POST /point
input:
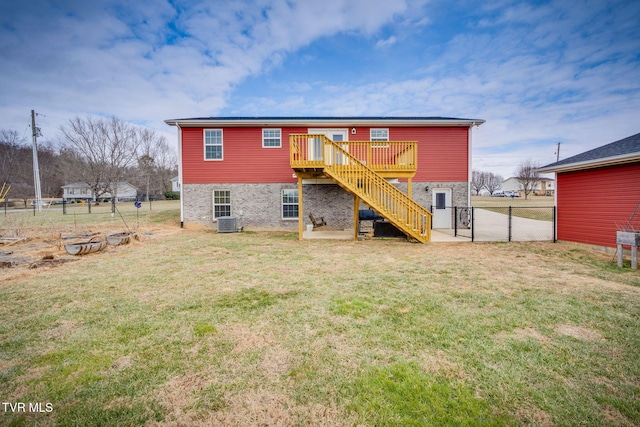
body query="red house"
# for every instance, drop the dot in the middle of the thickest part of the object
(272, 172)
(598, 192)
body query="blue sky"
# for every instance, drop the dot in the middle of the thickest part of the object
(538, 72)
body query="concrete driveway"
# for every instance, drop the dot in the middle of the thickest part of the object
(492, 226)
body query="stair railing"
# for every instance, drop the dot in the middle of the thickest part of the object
(375, 191)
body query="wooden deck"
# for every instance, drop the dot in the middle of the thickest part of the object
(310, 154)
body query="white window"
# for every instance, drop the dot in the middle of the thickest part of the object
(213, 144)
(379, 134)
(221, 203)
(290, 204)
(271, 138)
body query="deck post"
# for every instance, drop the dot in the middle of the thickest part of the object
(409, 187)
(356, 217)
(300, 211)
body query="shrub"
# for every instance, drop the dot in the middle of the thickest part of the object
(171, 195)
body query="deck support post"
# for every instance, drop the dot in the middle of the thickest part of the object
(356, 217)
(300, 211)
(410, 187)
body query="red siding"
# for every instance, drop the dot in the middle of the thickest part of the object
(443, 152)
(443, 155)
(245, 161)
(593, 203)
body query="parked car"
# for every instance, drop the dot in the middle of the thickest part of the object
(498, 193)
(511, 194)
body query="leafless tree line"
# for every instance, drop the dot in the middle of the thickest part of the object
(99, 152)
(527, 175)
(489, 181)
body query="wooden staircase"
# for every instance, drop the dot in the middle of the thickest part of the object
(362, 181)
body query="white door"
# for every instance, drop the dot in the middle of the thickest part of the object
(441, 208)
(315, 145)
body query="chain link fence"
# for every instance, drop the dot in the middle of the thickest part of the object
(501, 223)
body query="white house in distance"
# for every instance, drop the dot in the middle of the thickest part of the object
(175, 184)
(82, 191)
(545, 187)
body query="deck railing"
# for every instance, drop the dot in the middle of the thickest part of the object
(308, 151)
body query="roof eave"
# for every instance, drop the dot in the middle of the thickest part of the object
(595, 163)
(321, 121)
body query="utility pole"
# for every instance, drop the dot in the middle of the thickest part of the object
(36, 168)
(558, 153)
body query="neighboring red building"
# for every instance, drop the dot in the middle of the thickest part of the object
(597, 192)
(258, 169)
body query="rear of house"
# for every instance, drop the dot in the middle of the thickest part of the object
(272, 172)
(598, 192)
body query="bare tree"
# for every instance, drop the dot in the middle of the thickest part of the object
(489, 181)
(152, 159)
(106, 147)
(166, 164)
(493, 182)
(51, 170)
(16, 167)
(478, 179)
(10, 146)
(528, 176)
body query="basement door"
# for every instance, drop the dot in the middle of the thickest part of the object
(441, 208)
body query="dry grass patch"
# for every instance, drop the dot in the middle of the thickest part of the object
(579, 332)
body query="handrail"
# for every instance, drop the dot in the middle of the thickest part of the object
(374, 190)
(306, 151)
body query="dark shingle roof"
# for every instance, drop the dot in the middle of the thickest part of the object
(626, 146)
(314, 118)
(346, 120)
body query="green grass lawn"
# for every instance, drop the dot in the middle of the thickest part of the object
(535, 207)
(197, 328)
(82, 215)
(538, 201)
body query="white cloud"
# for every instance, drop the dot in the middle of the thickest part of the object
(112, 58)
(386, 43)
(559, 71)
(530, 77)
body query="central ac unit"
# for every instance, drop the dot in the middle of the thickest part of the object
(227, 224)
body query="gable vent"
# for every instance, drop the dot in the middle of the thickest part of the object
(227, 224)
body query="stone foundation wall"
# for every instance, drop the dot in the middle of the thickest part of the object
(259, 206)
(459, 192)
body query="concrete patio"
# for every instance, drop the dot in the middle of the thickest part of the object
(436, 236)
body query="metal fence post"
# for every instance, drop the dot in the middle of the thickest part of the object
(455, 221)
(510, 210)
(473, 218)
(554, 224)
(431, 222)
